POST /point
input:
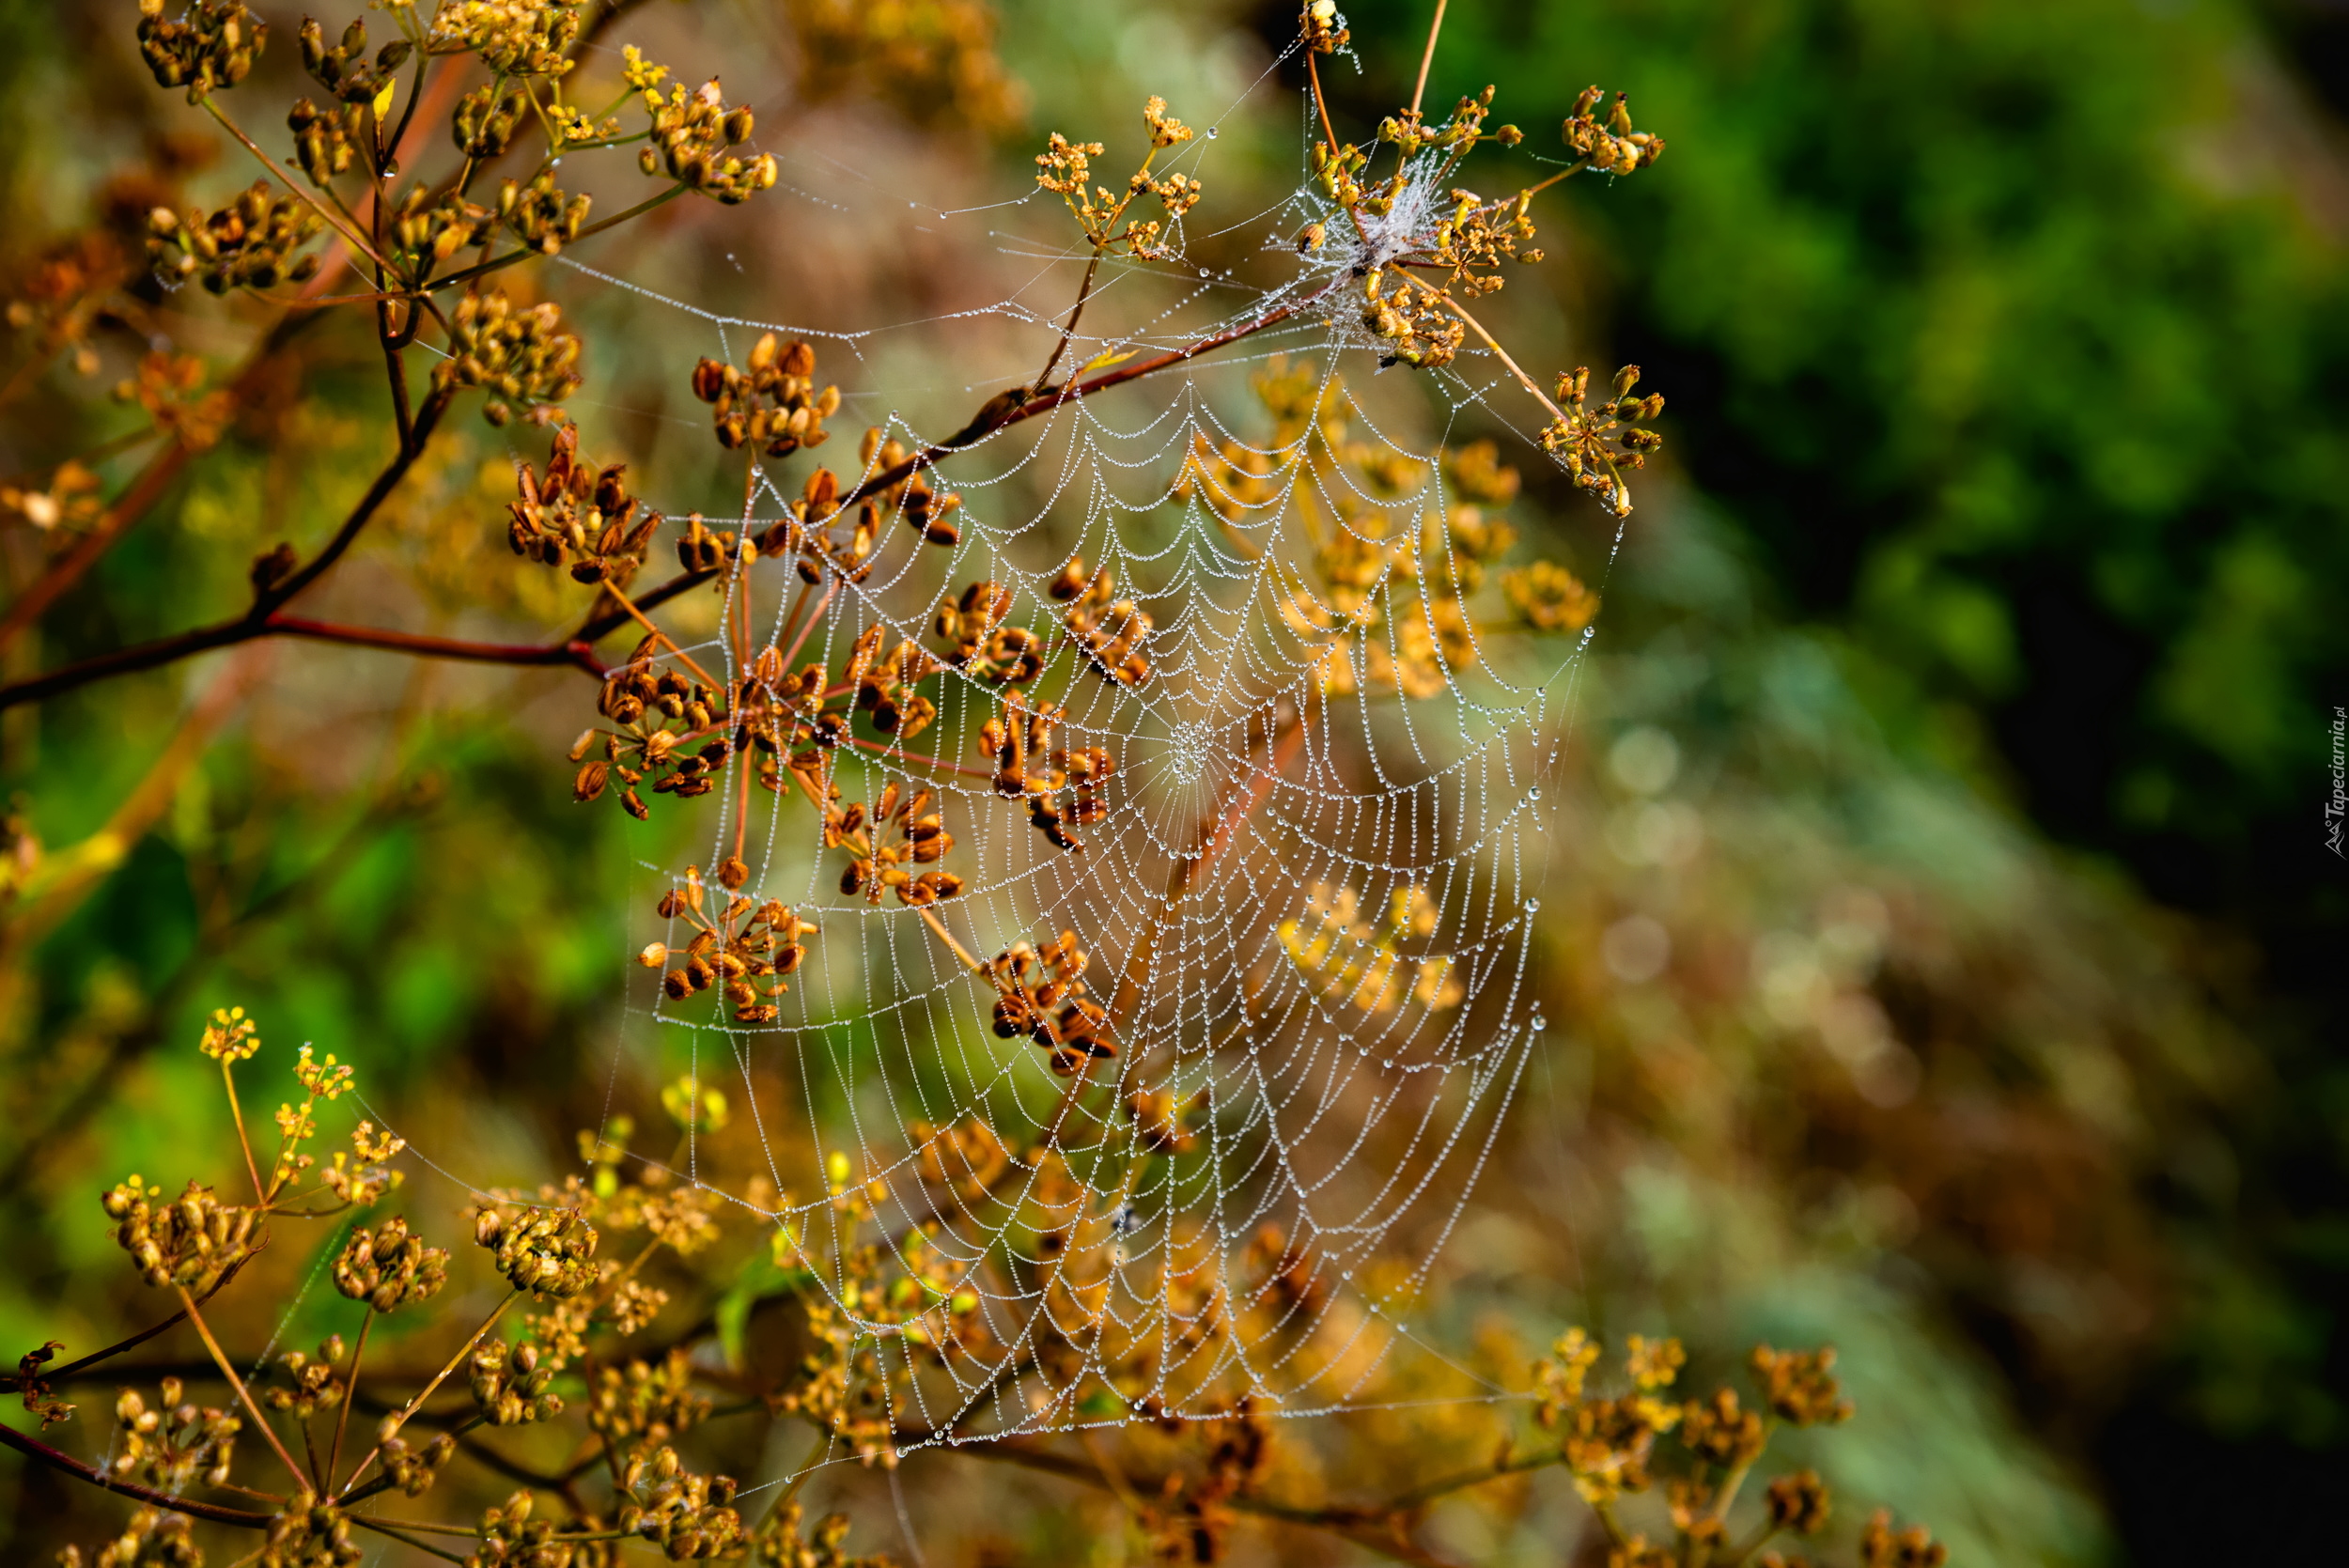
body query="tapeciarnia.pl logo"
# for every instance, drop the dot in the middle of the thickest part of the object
(2339, 805)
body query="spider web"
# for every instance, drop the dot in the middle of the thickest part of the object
(1306, 909)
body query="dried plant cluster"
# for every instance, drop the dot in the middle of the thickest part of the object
(577, 1335)
(595, 1353)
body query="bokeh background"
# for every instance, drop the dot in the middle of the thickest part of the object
(1942, 945)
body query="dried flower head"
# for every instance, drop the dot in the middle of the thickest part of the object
(513, 37)
(774, 405)
(343, 68)
(250, 243)
(520, 356)
(389, 1268)
(1600, 439)
(548, 1252)
(214, 44)
(1801, 1385)
(188, 1241)
(690, 135)
(511, 1387)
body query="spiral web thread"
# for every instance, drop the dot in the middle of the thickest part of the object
(1308, 910)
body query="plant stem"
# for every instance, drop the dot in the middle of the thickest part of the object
(403, 1537)
(402, 1417)
(497, 264)
(1084, 292)
(350, 1388)
(1419, 89)
(221, 1359)
(236, 1112)
(292, 186)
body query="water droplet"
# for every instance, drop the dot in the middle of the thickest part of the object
(1211, 133)
(1539, 1023)
(1534, 793)
(1533, 906)
(1387, 1063)
(1347, 1274)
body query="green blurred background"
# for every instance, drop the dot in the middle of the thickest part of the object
(1960, 717)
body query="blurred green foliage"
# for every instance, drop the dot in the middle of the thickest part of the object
(2017, 333)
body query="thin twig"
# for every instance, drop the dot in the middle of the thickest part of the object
(403, 1537)
(407, 1412)
(236, 1114)
(243, 1394)
(351, 236)
(351, 1385)
(1419, 89)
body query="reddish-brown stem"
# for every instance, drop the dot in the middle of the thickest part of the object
(258, 623)
(800, 640)
(598, 627)
(33, 1448)
(393, 640)
(1076, 314)
(408, 1411)
(938, 763)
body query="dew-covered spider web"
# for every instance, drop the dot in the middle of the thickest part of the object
(1161, 899)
